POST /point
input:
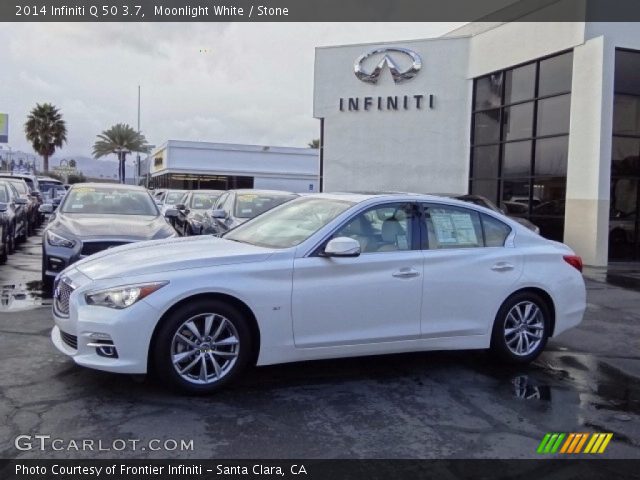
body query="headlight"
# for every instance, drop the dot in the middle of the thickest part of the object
(122, 297)
(59, 241)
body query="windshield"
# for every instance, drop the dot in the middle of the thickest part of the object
(249, 205)
(203, 201)
(289, 224)
(108, 201)
(20, 186)
(173, 197)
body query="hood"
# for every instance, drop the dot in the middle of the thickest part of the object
(134, 227)
(167, 255)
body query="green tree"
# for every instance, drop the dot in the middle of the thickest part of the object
(120, 140)
(315, 143)
(45, 130)
(76, 178)
(72, 163)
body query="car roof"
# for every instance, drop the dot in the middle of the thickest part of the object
(264, 192)
(122, 186)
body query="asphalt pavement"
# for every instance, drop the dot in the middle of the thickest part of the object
(424, 405)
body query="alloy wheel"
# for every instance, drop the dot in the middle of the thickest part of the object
(205, 348)
(524, 328)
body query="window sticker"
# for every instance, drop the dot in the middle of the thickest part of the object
(454, 228)
(247, 210)
(77, 206)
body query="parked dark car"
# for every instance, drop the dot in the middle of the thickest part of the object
(485, 202)
(14, 216)
(32, 201)
(191, 218)
(235, 207)
(94, 217)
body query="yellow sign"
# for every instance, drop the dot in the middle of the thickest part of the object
(4, 128)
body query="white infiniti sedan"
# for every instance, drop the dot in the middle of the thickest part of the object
(323, 276)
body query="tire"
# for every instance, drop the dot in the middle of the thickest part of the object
(4, 256)
(12, 239)
(509, 335)
(47, 280)
(235, 347)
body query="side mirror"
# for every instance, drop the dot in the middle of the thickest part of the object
(219, 213)
(342, 247)
(180, 206)
(3, 207)
(171, 213)
(21, 201)
(45, 208)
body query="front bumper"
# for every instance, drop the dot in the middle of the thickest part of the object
(130, 331)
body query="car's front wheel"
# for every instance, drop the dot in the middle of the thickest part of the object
(202, 346)
(521, 328)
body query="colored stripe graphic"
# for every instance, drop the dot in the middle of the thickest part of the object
(573, 443)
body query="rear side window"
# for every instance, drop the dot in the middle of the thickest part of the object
(452, 227)
(495, 232)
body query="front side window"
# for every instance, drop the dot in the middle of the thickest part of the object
(4, 196)
(381, 229)
(452, 227)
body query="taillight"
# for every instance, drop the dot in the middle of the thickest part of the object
(574, 260)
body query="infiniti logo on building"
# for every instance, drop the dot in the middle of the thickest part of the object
(392, 55)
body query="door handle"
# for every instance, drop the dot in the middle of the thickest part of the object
(406, 273)
(502, 267)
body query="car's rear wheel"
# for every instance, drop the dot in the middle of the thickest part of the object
(202, 346)
(521, 328)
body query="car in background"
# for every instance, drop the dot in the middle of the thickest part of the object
(486, 203)
(14, 216)
(167, 199)
(234, 207)
(45, 185)
(322, 276)
(191, 212)
(95, 217)
(31, 205)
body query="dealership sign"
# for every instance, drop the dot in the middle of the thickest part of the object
(403, 64)
(4, 128)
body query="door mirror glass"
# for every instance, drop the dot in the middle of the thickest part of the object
(46, 208)
(171, 213)
(180, 206)
(21, 201)
(219, 213)
(342, 247)
(3, 207)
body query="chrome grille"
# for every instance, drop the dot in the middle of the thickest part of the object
(69, 339)
(61, 296)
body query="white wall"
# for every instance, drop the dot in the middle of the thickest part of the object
(514, 43)
(419, 150)
(296, 185)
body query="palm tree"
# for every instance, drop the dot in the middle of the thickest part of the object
(120, 139)
(46, 130)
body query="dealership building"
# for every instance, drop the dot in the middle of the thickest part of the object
(222, 166)
(541, 118)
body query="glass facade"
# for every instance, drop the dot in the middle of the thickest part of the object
(185, 181)
(624, 219)
(520, 139)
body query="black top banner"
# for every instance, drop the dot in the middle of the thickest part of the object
(318, 10)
